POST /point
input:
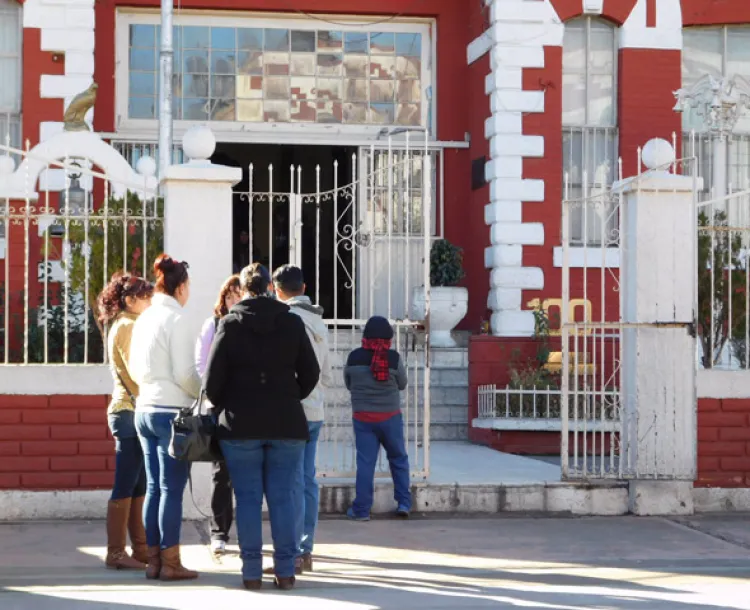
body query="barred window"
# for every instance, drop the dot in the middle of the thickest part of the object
(10, 73)
(589, 121)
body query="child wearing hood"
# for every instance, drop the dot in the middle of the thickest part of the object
(375, 375)
(289, 284)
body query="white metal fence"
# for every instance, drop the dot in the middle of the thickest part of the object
(723, 282)
(62, 243)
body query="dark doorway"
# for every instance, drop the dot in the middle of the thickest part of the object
(271, 240)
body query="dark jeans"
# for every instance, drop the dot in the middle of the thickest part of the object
(130, 475)
(222, 498)
(166, 478)
(368, 438)
(259, 467)
(308, 494)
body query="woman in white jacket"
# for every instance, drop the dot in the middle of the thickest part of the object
(161, 363)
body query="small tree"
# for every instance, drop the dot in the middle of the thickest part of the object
(721, 266)
(446, 263)
(124, 225)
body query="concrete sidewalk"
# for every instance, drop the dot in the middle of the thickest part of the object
(445, 563)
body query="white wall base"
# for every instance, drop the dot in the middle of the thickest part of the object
(721, 500)
(651, 498)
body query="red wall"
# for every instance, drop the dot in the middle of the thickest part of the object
(55, 442)
(723, 442)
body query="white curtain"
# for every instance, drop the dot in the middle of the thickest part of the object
(10, 56)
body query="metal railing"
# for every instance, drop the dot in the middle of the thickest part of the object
(63, 242)
(723, 282)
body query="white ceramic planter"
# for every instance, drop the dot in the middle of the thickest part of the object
(448, 306)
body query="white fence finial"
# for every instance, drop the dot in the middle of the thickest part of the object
(199, 143)
(658, 154)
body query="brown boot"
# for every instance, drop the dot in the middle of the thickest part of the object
(138, 546)
(284, 583)
(171, 566)
(118, 512)
(153, 569)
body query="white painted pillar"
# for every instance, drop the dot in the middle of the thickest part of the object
(658, 375)
(519, 31)
(198, 229)
(198, 220)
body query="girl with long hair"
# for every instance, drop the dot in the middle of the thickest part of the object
(123, 299)
(222, 509)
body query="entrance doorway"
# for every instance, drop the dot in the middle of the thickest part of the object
(297, 204)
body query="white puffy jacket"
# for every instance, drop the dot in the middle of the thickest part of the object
(317, 331)
(161, 357)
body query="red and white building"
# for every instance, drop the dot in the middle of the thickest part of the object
(514, 95)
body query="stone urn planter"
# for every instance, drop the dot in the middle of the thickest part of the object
(448, 306)
(448, 302)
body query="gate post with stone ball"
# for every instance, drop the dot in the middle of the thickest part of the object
(198, 229)
(658, 376)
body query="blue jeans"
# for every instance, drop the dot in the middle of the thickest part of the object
(307, 491)
(258, 467)
(130, 476)
(166, 479)
(368, 437)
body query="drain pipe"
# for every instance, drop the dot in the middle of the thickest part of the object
(166, 69)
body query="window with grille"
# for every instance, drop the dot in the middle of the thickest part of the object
(10, 73)
(589, 124)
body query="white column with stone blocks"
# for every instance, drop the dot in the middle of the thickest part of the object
(658, 253)
(519, 31)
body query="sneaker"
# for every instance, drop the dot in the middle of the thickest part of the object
(218, 547)
(402, 511)
(353, 517)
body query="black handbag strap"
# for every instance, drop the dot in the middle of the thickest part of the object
(192, 497)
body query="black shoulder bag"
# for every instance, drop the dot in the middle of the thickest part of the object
(194, 435)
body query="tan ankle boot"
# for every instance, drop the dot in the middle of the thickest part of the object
(138, 546)
(171, 566)
(118, 512)
(153, 569)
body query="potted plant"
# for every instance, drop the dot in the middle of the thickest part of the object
(448, 302)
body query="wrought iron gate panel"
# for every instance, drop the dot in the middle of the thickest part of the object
(591, 329)
(364, 247)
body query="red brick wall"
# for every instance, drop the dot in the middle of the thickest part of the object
(55, 442)
(723, 442)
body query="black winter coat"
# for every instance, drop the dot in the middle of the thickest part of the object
(260, 368)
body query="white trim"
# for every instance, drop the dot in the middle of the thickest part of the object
(264, 131)
(2, 247)
(478, 47)
(589, 258)
(45, 379)
(714, 383)
(666, 36)
(540, 424)
(721, 500)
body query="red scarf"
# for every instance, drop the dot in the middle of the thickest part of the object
(379, 364)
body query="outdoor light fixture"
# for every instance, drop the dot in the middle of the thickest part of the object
(73, 201)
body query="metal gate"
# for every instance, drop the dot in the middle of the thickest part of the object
(364, 247)
(591, 327)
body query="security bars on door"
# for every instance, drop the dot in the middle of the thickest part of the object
(58, 252)
(363, 243)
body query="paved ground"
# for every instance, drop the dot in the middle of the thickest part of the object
(506, 562)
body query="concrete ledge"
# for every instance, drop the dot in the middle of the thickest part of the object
(719, 500)
(715, 383)
(44, 379)
(655, 498)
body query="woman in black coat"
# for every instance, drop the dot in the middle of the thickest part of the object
(261, 367)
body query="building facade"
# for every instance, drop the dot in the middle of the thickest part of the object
(518, 103)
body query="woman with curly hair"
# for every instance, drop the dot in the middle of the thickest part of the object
(120, 303)
(221, 491)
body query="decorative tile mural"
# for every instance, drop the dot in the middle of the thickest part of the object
(284, 75)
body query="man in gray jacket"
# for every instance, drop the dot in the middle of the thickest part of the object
(289, 284)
